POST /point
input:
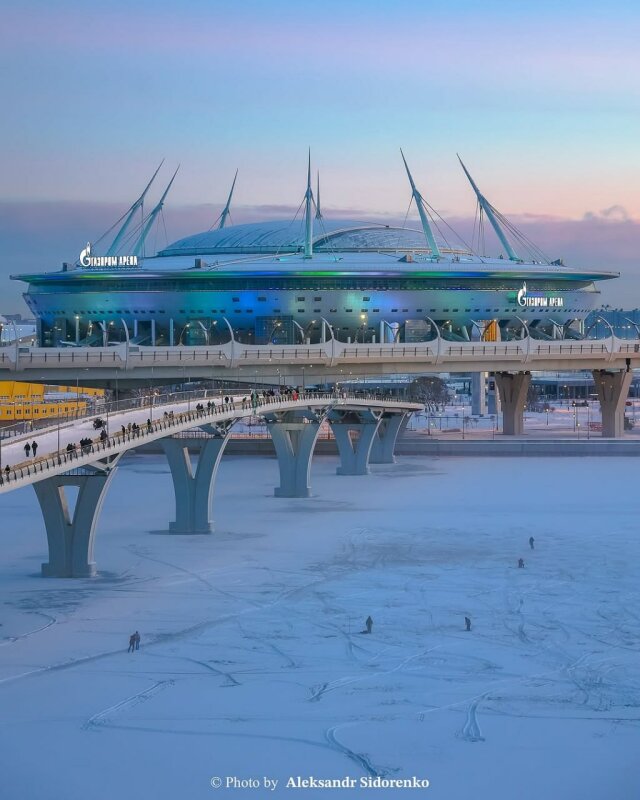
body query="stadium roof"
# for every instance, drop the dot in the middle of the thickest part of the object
(282, 236)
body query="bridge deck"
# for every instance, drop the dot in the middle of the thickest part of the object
(54, 460)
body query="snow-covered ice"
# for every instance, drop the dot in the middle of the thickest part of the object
(253, 663)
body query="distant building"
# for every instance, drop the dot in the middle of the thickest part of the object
(31, 402)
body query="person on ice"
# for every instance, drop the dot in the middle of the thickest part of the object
(132, 643)
(369, 624)
(531, 541)
(136, 637)
(521, 563)
(467, 624)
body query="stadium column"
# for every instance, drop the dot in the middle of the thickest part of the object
(71, 527)
(513, 388)
(294, 435)
(613, 389)
(193, 489)
(391, 424)
(354, 432)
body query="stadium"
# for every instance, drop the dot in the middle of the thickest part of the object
(311, 278)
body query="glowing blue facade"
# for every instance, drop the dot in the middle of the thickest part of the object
(367, 282)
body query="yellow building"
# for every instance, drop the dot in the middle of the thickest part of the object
(34, 401)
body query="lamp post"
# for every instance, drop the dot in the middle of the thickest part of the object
(182, 332)
(363, 323)
(273, 330)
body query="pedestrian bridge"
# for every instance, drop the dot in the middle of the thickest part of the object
(325, 362)
(365, 428)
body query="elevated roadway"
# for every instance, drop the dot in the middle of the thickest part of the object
(327, 362)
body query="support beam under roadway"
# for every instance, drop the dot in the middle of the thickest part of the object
(391, 425)
(513, 388)
(71, 534)
(294, 437)
(613, 390)
(354, 432)
(194, 489)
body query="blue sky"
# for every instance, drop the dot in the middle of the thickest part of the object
(542, 100)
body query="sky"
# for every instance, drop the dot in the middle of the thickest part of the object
(540, 99)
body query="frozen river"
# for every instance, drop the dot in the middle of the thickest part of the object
(253, 663)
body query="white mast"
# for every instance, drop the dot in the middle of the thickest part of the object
(424, 219)
(489, 210)
(225, 210)
(137, 250)
(308, 199)
(113, 249)
(318, 211)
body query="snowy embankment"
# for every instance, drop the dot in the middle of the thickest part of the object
(253, 663)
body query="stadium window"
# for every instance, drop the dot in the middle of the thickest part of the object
(376, 310)
(300, 299)
(235, 299)
(366, 299)
(333, 310)
(317, 311)
(317, 299)
(348, 310)
(275, 311)
(262, 299)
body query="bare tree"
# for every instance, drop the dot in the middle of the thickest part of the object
(432, 391)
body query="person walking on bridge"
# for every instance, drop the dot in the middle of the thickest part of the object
(27, 450)
(34, 447)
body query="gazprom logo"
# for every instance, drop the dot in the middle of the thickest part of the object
(87, 260)
(522, 294)
(85, 256)
(537, 300)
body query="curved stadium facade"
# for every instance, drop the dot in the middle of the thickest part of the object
(288, 282)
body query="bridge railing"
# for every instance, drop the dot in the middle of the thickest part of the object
(86, 455)
(127, 357)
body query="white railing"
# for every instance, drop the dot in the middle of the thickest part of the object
(438, 351)
(59, 462)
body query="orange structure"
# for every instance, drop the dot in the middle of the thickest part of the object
(20, 402)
